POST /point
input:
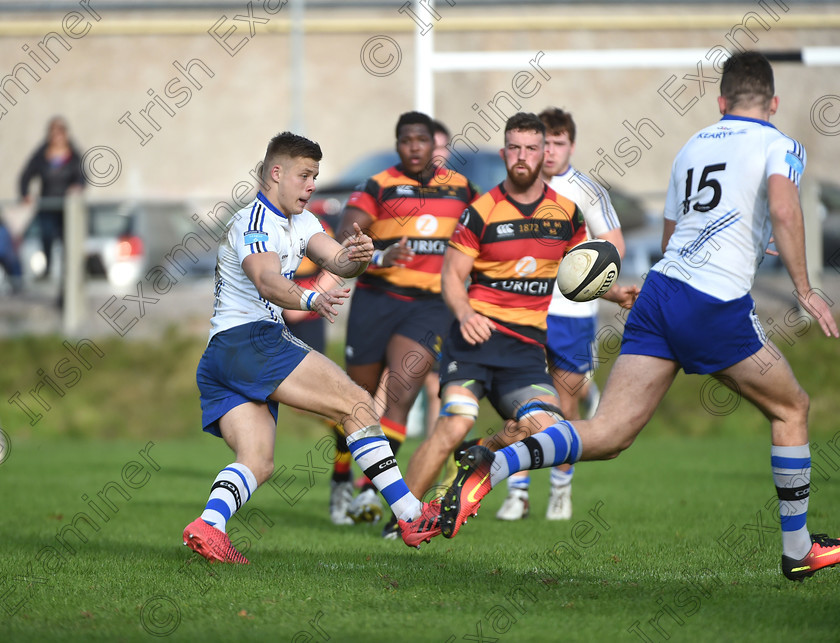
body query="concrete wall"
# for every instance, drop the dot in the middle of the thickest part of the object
(223, 117)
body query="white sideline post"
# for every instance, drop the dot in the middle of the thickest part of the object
(297, 59)
(75, 230)
(810, 198)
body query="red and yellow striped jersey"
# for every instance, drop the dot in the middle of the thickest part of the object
(517, 249)
(426, 213)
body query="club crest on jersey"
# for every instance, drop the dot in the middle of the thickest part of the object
(255, 236)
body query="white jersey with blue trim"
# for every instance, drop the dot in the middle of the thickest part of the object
(258, 227)
(718, 198)
(600, 217)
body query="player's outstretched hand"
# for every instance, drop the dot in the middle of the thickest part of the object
(359, 246)
(476, 328)
(817, 307)
(324, 304)
(624, 296)
(397, 254)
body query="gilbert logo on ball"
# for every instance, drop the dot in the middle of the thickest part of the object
(588, 270)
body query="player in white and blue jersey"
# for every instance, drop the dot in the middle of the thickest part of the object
(572, 326)
(253, 363)
(731, 184)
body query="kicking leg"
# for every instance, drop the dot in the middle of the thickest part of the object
(342, 401)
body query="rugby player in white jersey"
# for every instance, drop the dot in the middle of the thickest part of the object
(253, 363)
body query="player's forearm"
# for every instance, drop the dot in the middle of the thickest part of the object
(789, 234)
(788, 228)
(342, 266)
(347, 259)
(455, 296)
(281, 291)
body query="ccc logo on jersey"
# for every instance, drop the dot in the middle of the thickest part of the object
(525, 266)
(426, 224)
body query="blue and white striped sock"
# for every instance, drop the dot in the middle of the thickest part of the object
(558, 444)
(372, 451)
(792, 476)
(231, 489)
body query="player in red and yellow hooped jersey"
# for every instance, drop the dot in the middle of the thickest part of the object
(416, 214)
(509, 242)
(515, 251)
(397, 315)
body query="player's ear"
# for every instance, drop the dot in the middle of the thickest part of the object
(277, 172)
(722, 104)
(774, 105)
(502, 154)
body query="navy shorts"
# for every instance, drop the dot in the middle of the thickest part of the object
(375, 316)
(571, 343)
(704, 334)
(501, 365)
(245, 364)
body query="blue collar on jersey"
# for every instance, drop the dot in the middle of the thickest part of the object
(729, 117)
(262, 199)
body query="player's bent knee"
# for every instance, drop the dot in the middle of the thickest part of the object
(535, 408)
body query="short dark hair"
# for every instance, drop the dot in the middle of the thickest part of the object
(747, 80)
(292, 146)
(525, 121)
(557, 122)
(415, 118)
(438, 127)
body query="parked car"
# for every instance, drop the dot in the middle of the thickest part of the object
(125, 239)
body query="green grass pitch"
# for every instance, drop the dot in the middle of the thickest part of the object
(677, 539)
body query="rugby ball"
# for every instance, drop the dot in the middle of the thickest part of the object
(588, 270)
